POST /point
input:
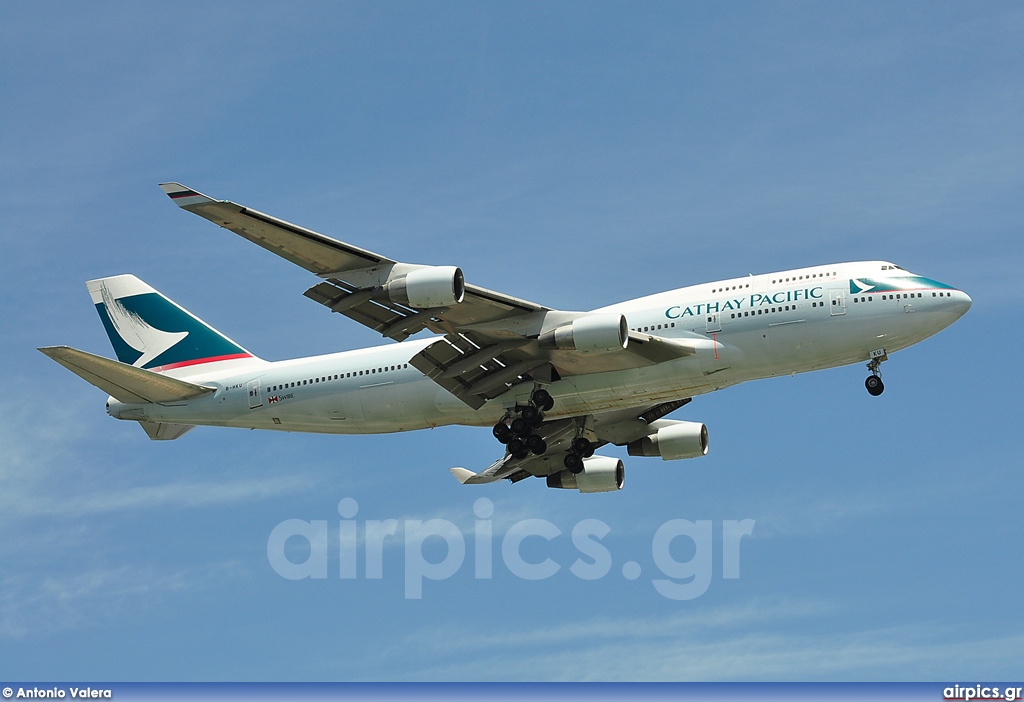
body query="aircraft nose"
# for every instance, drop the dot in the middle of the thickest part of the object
(963, 302)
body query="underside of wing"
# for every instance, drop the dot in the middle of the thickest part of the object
(558, 437)
(370, 306)
(476, 367)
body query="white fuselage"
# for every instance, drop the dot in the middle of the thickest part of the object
(744, 329)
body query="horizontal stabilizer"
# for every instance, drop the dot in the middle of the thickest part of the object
(162, 431)
(461, 474)
(500, 469)
(123, 382)
(469, 477)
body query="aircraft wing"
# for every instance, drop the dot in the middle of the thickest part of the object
(617, 427)
(346, 269)
(489, 339)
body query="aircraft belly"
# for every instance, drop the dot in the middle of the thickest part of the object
(602, 391)
(792, 347)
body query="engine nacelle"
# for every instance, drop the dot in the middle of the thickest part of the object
(430, 286)
(672, 440)
(593, 332)
(599, 474)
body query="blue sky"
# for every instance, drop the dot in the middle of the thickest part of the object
(572, 154)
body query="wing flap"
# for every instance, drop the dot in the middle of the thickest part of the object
(391, 319)
(476, 368)
(123, 382)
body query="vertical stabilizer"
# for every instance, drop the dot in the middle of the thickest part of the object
(148, 330)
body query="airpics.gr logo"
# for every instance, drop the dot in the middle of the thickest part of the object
(299, 549)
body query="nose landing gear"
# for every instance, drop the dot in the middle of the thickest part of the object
(874, 385)
(874, 382)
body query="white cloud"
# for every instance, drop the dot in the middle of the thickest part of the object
(31, 603)
(41, 473)
(749, 642)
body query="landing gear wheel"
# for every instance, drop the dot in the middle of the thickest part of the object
(521, 427)
(501, 432)
(573, 462)
(517, 447)
(532, 415)
(582, 446)
(874, 381)
(542, 398)
(536, 444)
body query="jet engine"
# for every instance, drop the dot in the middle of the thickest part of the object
(599, 474)
(430, 286)
(672, 440)
(592, 332)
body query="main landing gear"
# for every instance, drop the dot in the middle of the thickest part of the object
(517, 434)
(582, 448)
(874, 382)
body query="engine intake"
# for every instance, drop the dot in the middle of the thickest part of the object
(598, 333)
(599, 474)
(672, 440)
(430, 286)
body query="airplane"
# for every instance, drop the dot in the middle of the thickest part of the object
(554, 385)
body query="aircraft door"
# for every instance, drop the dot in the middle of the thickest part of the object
(837, 302)
(255, 394)
(714, 322)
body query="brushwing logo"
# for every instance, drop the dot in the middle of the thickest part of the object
(136, 332)
(860, 287)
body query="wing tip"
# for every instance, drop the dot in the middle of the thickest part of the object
(183, 195)
(52, 351)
